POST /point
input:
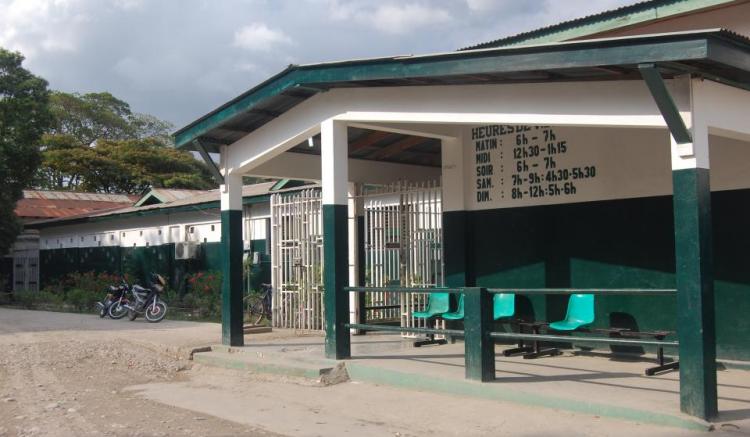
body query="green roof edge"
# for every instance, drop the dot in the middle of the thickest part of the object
(625, 16)
(322, 76)
(148, 195)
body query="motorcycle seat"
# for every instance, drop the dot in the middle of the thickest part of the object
(139, 289)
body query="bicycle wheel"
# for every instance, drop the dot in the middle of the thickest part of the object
(256, 312)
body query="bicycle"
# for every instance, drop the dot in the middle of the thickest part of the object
(259, 304)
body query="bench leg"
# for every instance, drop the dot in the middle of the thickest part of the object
(521, 349)
(538, 351)
(430, 340)
(651, 371)
(518, 350)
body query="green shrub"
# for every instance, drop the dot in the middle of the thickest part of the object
(92, 282)
(82, 300)
(30, 299)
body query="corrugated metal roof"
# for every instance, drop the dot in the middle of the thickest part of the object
(52, 204)
(74, 195)
(674, 53)
(202, 198)
(651, 10)
(166, 195)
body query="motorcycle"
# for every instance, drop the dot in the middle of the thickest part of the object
(118, 309)
(146, 301)
(115, 293)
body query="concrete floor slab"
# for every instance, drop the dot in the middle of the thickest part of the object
(595, 383)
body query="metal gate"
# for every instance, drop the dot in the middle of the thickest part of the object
(297, 260)
(403, 247)
(402, 242)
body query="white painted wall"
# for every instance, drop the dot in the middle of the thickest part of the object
(198, 226)
(610, 103)
(628, 163)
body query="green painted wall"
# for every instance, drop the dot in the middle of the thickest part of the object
(136, 261)
(622, 243)
(141, 261)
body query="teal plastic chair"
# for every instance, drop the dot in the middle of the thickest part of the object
(503, 305)
(580, 313)
(437, 305)
(459, 313)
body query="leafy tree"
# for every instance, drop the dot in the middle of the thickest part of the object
(93, 116)
(24, 117)
(98, 144)
(129, 166)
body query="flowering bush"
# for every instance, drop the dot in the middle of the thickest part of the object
(205, 293)
(205, 282)
(92, 282)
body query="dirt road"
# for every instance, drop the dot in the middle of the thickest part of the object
(72, 383)
(77, 375)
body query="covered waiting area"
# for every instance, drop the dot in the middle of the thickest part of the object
(555, 161)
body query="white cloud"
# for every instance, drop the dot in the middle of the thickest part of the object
(482, 5)
(259, 37)
(36, 26)
(398, 19)
(393, 18)
(128, 4)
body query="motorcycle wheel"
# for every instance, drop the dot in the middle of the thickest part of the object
(117, 311)
(132, 315)
(156, 314)
(101, 309)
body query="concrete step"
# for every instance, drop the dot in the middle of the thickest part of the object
(263, 363)
(331, 372)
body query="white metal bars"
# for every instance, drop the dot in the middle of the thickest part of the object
(297, 260)
(402, 242)
(403, 247)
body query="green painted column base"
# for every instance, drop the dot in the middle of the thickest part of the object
(335, 278)
(479, 347)
(456, 254)
(695, 292)
(231, 282)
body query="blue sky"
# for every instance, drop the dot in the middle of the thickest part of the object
(178, 59)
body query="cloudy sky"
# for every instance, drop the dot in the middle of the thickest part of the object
(178, 59)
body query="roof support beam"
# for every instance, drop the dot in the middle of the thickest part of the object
(665, 103)
(397, 147)
(218, 177)
(368, 140)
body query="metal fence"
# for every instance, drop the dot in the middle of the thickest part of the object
(403, 247)
(297, 260)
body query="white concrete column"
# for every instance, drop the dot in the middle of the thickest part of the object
(453, 180)
(352, 215)
(696, 325)
(456, 220)
(334, 162)
(231, 260)
(231, 193)
(335, 178)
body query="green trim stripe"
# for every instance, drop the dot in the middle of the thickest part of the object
(335, 279)
(696, 327)
(231, 283)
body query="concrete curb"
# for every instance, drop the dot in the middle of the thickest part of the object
(313, 369)
(364, 373)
